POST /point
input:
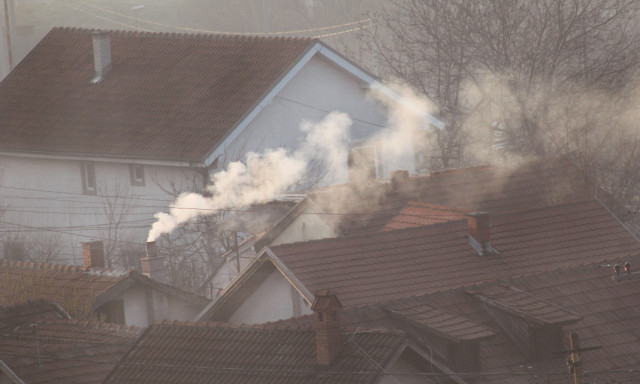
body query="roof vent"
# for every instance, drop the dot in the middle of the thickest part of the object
(101, 55)
(479, 226)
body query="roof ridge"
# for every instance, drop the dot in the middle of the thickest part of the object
(177, 35)
(45, 266)
(94, 324)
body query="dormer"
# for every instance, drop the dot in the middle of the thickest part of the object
(534, 325)
(454, 340)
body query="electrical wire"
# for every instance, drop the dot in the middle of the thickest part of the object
(292, 32)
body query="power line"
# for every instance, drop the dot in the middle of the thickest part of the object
(292, 32)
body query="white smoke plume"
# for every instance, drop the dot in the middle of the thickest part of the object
(262, 177)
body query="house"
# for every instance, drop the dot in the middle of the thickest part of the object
(63, 351)
(323, 352)
(403, 201)
(521, 329)
(101, 129)
(93, 292)
(384, 266)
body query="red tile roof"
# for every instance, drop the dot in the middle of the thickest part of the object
(74, 288)
(366, 208)
(168, 96)
(175, 352)
(417, 214)
(366, 269)
(79, 290)
(66, 351)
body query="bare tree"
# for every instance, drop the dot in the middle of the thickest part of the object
(516, 59)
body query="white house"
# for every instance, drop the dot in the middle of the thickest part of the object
(99, 130)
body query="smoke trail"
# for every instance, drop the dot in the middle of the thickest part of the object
(262, 177)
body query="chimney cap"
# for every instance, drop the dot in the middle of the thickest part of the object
(325, 300)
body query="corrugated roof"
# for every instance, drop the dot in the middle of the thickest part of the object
(167, 96)
(366, 269)
(177, 352)
(66, 351)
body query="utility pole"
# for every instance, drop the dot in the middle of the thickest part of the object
(8, 30)
(573, 361)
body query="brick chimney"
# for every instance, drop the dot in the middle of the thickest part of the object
(326, 308)
(399, 176)
(93, 254)
(153, 265)
(101, 54)
(479, 226)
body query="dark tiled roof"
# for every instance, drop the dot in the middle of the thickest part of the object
(608, 311)
(172, 96)
(433, 320)
(29, 312)
(74, 288)
(530, 185)
(417, 214)
(66, 351)
(524, 305)
(610, 318)
(173, 352)
(366, 269)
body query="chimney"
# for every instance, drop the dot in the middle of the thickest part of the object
(153, 265)
(93, 254)
(399, 176)
(326, 307)
(479, 226)
(101, 54)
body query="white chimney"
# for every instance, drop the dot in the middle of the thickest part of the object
(101, 54)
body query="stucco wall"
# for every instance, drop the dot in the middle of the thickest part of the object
(45, 204)
(135, 307)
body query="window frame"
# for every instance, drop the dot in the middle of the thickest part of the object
(136, 181)
(88, 173)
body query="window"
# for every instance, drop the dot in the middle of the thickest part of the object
(15, 250)
(136, 171)
(88, 178)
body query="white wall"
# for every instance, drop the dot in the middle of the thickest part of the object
(135, 307)
(273, 300)
(45, 204)
(318, 89)
(304, 227)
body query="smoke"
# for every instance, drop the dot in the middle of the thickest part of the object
(407, 113)
(262, 177)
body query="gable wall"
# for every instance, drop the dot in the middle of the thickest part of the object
(304, 227)
(273, 300)
(318, 89)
